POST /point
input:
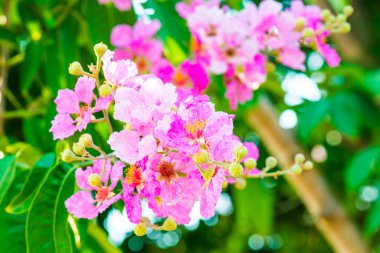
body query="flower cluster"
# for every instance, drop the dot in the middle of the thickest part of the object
(171, 148)
(239, 44)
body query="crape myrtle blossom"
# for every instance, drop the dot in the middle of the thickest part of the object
(238, 44)
(172, 149)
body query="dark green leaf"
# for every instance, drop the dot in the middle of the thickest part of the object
(7, 38)
(7, 174)
(48, 214)
(360, 167)
(311, 115)
(23, 199)
(372, 222)
(346, 113)
(30, 67)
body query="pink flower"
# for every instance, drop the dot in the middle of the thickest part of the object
(211, 193)
(137, 43)
(122, 5)
(82, 204)
(130, 148)
(185, 9)
(192, 75)
(118, 72)
(71, 103)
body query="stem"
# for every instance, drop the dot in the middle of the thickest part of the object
(105, 112)
(22, 113)
(328, 214)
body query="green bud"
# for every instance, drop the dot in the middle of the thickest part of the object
(348, 10)
(201, 157)
(78, 148)
(271, 162)
(100, 49)
(250, 163)
(326, 14)
(345, 28)
(140, 230)
(94, 180)
(169, 225)
(341, 18)
(105, 90)
(76, 69)
(308, 165)
(240, 152)
(300, 23)
(86, 140)
(235, 169)
(241, 183)
(68, 156)
(308, 32)
(300, 158)
(296, 170)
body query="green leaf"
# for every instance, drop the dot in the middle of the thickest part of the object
(372, 82)
(23, 199)
(8, 38)
(254, 208)
(7, 174)
(372, 221)
(310, 116)
(12, 227)
(360, 167)
(29, 67)
(346, 114)
(48, 214)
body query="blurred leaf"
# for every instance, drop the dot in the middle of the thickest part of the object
(26, 154)
(346, 113)
(29, 67)
(7, 174)
(23, 199)
(175, 53)
(360, 167)
(8, 38)
(12, 227)
(254, 208)
(310, 116)
(102, 244)
(48, 214)
(372, 221)
(372, 82)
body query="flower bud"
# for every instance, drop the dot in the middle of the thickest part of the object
(348, 10)
(235, 169)
(308, 165)
(140, 229)
(341, 18)
(94, 180)
(271, 162)
(105, 90)
(100, 49)
(345, 28)
(240, 183)
(300, 23)
(300, 158)
(296, 170)
(201, 157)
(326, 14)
(78, 148)
(86, 140)
(169, 225)
(128, 126)
(240, 152)
(270, 67)
(308, 32)
(68, 156)
(250, 163)
(76, 69)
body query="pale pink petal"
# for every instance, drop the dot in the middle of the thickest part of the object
(62, 126)
(211, 193)
(81, 205)
(121, 35)
(81, 177)
(84, 89)
(67, 102)
(125, 145)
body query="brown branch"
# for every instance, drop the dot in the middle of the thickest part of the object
(327, 213)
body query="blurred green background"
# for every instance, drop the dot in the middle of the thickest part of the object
(333, 112)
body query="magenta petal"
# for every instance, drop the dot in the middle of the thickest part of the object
(210, 195)
(81, 177)
(133, 208)
(84, 89)
(81, 205)
(67, 102)
(62, 126)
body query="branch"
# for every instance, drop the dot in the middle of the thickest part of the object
(327, 213)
